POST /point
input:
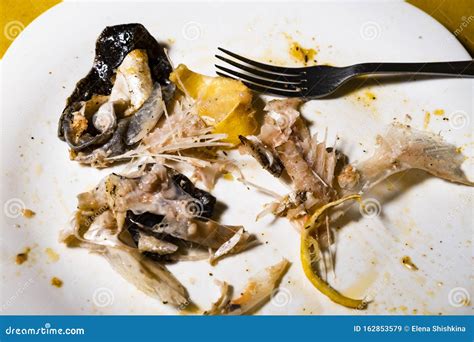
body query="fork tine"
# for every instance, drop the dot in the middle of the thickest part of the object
(260, 81)
(261, 89)
(263, 66)
(264, 74)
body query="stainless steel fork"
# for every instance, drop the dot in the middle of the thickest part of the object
(321, 80)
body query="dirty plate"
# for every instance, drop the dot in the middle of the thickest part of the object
(411, 215)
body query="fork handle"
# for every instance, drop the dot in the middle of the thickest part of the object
(459, 68)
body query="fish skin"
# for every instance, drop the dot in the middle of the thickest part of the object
(112, 46)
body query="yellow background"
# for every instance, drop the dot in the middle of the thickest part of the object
(456, 15)
(16, 15)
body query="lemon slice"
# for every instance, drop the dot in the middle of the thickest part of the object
(307, 246)
(222, 103)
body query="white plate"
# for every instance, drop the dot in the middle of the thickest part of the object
(425, 218)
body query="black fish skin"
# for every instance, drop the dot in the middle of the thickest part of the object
(205, 200)
(147, 220)
(136, 223)
(87, 140)
(146, 114)
(112, 46)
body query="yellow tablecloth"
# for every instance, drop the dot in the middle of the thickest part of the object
(15, 15)
(456, 15)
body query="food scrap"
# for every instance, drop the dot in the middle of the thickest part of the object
(426, 120)
(52, 255)
(28, 213)
(144, 220)
(223, 103)
(23, 256)
(56, 282)
(408, 263)
(370, 95)
(120, 100)
(322, 177)
(257, 291)
(302, 55)
(171, 129)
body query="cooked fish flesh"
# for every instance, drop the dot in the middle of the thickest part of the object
(146, 118)
(285, 138)
(143, 219)
(265, 156)
(258, 290)
(403, 148)
(321, 179)
(148, 276)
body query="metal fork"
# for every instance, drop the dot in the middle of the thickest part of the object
(321, 80)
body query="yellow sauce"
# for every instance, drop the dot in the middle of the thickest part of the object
(406, 261)
(55, 281)
(22, 257)
(28, 213)
(52, 255)
(191, 309)
(370, 96)
(301, 54)
(427, 119)
(360, 288)
(228, 176)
